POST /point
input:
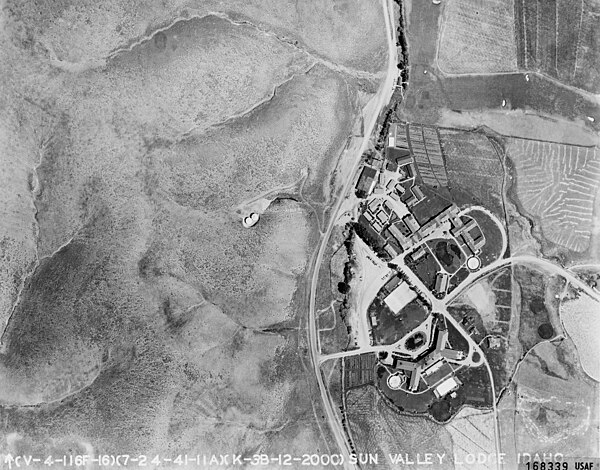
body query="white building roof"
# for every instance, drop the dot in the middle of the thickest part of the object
(401, 296)
(446, 387)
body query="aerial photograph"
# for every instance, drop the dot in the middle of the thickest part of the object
(268, 234)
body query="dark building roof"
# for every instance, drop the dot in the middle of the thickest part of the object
(366, 178)
(398, 155)
(392, 284)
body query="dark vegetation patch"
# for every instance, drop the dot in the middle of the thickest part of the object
(457, 278)
(404, 401)
(456, 339)
(415, 341)
(558, 37)
(474, 167)
(425, 268)
(448, 254)
(469, 319)
(390, 328)
(160, 41)
(435, 201)
(492, 250)
(534, 308)
(374, 240)
(338, 338)
(546, 331)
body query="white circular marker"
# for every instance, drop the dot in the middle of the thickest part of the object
(473, 263)
(394, 382)
(254, 217)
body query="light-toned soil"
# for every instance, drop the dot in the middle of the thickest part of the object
(581, 319)
(153, 321)
(517, 123)
(556, 184)
(376, 428)
(342, 31)
(556, 404)
(472, 433)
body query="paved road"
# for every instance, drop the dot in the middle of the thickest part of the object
(356, 149)
(440, 306)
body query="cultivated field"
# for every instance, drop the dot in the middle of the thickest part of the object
(587, 56)
(474, 166)
(472, 433)
(556, 405)
(376, 428)
(556, 184)
(425, 144)
(477, 37)
(558, 37)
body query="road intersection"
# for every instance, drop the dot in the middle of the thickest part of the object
(372, 285)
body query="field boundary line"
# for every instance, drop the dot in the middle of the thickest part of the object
(578, 40)
(556, 37)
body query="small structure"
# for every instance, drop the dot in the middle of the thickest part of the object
(395, 381)
(250, 220)
(415, 377)
(447, 386)
(434, 366)
(453, 355)
(441, 282)
(473, 263)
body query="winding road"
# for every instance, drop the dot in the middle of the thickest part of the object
(356, 149)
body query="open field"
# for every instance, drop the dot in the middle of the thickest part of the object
(154, 322)
(490, 311)
(477, 37)
(539, 306)
(378, 429)
(425, 268)
(343, 31)
(429, 96)
(492, 250)
(447, 253)
(559, 38)
(556, 185)
(390, 328)
(551, 405)
(474, 166)
(431, 93)
(472, 433)
(523, 124)
(556, 404)
(581, 319)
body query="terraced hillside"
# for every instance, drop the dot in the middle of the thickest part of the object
(557, 185)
